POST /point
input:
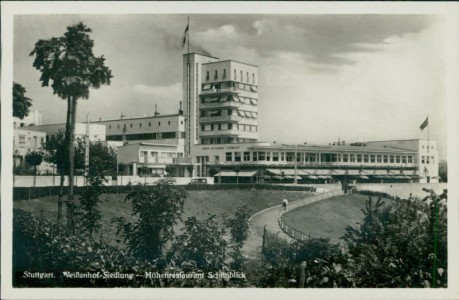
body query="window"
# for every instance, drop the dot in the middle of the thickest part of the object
(427, 160)
(230, 112)
(268, 156)
(403, 159)
(359, 157)
(352, 157)
(378, 158)
(397, 159)
(118, 126)
(22, 139)
(422, 159)
(110, 127)
(391, 159)
(168, 122)
(290, 156)
(386, 160)
(253, 78)
(255, 156)
(140, 124)
(219, 126)
(149, 124)
(203, 128)
(433, 161)
(159, 123)
(207, 76)
(247, 75)
(216, 74)
(372, 158)
(211, 126)
(242, 78)
(246, 156)
(230, 126)
(282, 156)
(365, 158)
(275, 156)
(131, 125)
(410, 159)
(229, 156)
(224, 73)
(181, 122)
(261, 155)
(235, 74)
(237, 156)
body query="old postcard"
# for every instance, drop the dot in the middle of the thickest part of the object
(241, 149)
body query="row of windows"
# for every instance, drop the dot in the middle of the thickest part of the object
(229, 112)
(229, 98)
(229, 126)
(229, 85)
(235, 75)
(225, 140)
(37, 141)
(431, 147)
(155, 154)
(140, 125)
(318, 157)
(428, 159)
(147, 136)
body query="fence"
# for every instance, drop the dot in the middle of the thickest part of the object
(297, 234)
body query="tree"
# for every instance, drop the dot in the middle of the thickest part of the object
(156, 209)
(239, 232)
(34, 159)
(202, 242)
(69, 65)
(400, 244)
(443, 170)
(21, 103)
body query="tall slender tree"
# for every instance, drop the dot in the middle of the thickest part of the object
(68, 64)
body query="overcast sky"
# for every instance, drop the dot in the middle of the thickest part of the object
(321, 77)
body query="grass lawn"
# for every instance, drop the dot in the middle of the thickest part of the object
(198, 204)
(328, 218)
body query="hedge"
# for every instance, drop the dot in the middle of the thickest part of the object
(26, 193)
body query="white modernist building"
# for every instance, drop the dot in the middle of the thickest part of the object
(221, 113)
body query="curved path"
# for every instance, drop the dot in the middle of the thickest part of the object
(269, 218)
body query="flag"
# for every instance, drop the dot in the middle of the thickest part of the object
(185, 35)
(424, 124)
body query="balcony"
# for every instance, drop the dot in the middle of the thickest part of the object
(221, 104)
(220, 119)
(218, 91)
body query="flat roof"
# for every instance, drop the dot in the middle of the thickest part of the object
(334, 148)
(230, 60)
(138, 118)
(150, 144)
(200, 54)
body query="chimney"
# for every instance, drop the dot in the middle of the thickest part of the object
(180, 109)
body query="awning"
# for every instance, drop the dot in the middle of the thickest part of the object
(207, 86)
(253, 88)
(211, 99)
(322, 177)
(254, 115)
(312, 177)
(274, 171)
(277, 177)
(239, 112)
(363, 177)
(253, 101)
(234, 174)
(223, 98)
(235, 98)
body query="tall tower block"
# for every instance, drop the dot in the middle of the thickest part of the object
(192, 64)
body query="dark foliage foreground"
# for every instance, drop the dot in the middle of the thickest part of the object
(400, 243)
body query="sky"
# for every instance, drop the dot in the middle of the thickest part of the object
(322, 78)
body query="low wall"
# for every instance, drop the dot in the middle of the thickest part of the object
(402, 190)
(41, 181)
(124, 180)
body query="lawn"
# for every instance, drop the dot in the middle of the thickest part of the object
(198, 204)
(328, 218)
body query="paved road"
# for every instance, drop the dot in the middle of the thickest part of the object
(266, 217)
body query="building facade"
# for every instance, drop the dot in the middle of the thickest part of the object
(159, 129)
(95, 132)
(25, 141)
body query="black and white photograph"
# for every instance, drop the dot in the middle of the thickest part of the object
(242, 149)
